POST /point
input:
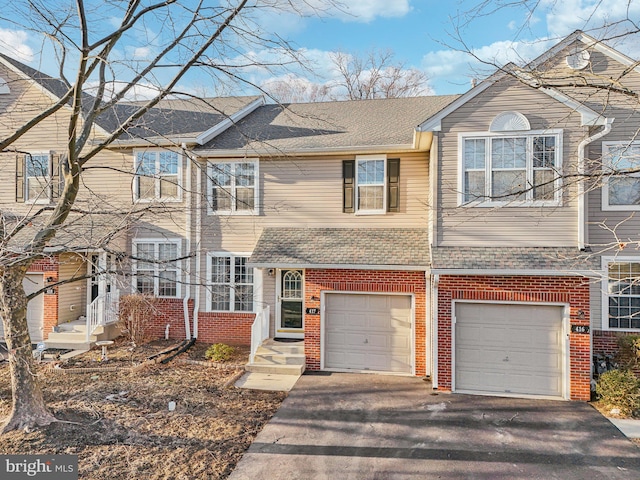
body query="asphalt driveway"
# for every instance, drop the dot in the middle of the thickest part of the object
(352, 426)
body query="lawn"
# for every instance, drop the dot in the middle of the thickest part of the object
(119, 424)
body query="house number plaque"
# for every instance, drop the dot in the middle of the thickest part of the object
(579, 329)
(313, 311)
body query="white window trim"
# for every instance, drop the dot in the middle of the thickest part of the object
(605, 180)
(256, 194)
(136, 186)
(209, 299)
(47, 193)
(604, 287)
(488, 202)
(156, 277)
(385, 186)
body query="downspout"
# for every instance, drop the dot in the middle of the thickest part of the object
(582, 214)
(434, 330)
(187, 283)
(198, 229)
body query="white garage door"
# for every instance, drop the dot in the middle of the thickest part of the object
(35, 309)
(512, 349)
(368, 332)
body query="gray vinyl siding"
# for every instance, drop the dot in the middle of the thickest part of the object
(72, 297)
(506, 226)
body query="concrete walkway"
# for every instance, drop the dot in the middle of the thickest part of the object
(629, 427)
(353, 427)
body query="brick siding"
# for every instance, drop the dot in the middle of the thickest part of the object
(49, 267)
(318, 281)
(224, 327)
(573, 291)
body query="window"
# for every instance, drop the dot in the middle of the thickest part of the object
(158, 175)
(518, 169)
(233, 187)
(621, 191)
(621, 295)
(38, 177)
(371, 184)
(156, 267)
(230, 283)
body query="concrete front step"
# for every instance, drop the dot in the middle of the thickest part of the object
(279, 359)
(275, 369)
(72, 336)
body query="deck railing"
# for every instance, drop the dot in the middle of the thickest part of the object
(259, 331)
(103, 311)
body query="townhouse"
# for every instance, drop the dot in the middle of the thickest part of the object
(480, 239)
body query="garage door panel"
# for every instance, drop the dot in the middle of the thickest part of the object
(35, 308)
(368, 332)
(509, 348)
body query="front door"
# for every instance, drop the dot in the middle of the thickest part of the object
(291, 304)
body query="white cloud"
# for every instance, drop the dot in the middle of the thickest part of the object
(480, 61)
(14, 44)
(568, 15)
(350, 10)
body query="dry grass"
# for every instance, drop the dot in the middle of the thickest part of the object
(120, 427)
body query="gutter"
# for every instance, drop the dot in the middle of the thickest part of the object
(434, 330)
(275, 152)
(187, 201)
(198, 228)
(582, 214)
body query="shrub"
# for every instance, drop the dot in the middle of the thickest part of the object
(135, 312)
(629, 350)
(220, 352)
(619, 389)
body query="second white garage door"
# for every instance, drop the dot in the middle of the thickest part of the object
(368, 332)
(509, 348)
(35, 309)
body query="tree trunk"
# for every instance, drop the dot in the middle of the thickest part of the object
(28, 408)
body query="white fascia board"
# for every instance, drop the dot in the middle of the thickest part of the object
(434, 124)
(589, 117)
(216, 130)
(153, 142)
(48, 93)
(606, 50)
(322, 266)
(274, 152)
(516, 272)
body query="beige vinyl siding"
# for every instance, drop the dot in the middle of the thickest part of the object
(307, 192)
(595, 303)
(72, 297)
(506, 225)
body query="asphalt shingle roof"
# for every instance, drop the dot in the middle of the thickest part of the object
(513, 258)
(384, 247)
(326, 125)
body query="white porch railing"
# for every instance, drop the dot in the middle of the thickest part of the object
(103, 311)
(259, 331)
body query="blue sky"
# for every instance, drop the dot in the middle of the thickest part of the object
(422, 33)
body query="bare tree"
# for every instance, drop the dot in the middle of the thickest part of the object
(112, 49)
(376, 75)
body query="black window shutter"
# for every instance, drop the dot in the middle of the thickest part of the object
(55, 176)
(349, 193)
(393, 185)
(20, 161)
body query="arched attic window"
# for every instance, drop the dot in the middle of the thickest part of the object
(4, 86)
(509, 122)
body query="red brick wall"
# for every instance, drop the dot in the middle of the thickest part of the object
(378, 281)
(529, 289)
(49, 268)
(229, 328)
